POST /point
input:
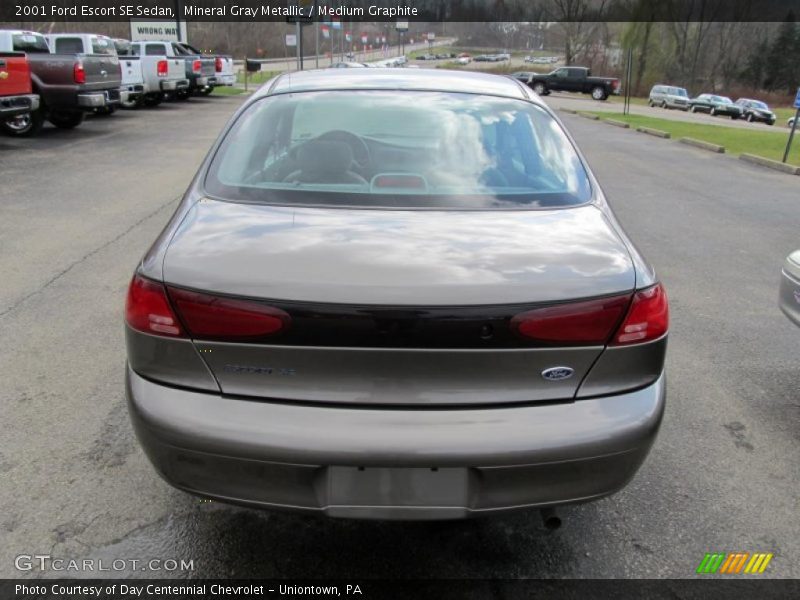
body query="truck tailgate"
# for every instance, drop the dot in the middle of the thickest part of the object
(102, 72)
(176, 69)
(131, 67)
(15, 77)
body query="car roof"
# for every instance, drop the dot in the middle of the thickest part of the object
(440, 80)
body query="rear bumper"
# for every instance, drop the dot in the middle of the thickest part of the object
(177, 84)
(131, 92)
(12, 106)
(99, 99)
(228, 80)
(291, 456)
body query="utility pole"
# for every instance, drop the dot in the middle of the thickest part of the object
(300, 43)
(178, 19)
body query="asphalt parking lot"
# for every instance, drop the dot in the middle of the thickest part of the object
(80, 207)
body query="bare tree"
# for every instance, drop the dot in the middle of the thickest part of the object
(576, 19)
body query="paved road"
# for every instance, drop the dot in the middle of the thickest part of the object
(79, 208)
(309, 62)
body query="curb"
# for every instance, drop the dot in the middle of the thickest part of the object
(770, 164)
(655, 132)
(616, 123)
(586, 115)
(703, 145)
(569, 110)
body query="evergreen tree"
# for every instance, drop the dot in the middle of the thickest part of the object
(781, 65)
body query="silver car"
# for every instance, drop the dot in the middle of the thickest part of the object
(790, 287)
(400, 295)
(669, 96)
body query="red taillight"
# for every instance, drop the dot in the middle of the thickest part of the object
(647, 318)
(586, 322)
(197, 66)
(148, 309)
(79, 73)
(216, 317)
(162, 68)
(614, 84)
(218, 65)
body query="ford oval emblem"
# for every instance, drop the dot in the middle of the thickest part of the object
(558, 373)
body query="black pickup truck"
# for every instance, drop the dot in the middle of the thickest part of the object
(68, 85)
(574, 79)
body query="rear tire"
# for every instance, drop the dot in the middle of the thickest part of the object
(749, 117)
(599, 93)
(105, 111)
(26, 125)
(650, 103)
(205, 91)
(66, 119)
(183, 95)
(664, 104)
(692, 109)
(540, 88)
(713, 112)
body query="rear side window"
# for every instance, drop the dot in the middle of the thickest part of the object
(29, 42)
(154, 50)
(398, 149)
(69, 46)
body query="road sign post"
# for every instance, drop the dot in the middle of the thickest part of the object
(794, 126)
(402, 28)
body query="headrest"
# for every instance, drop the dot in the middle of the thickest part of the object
(325, 157)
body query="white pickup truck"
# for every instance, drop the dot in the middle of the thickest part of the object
(199, 70)
(162, 74)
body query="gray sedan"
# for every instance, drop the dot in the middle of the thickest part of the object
(790, 287)
(399, 295)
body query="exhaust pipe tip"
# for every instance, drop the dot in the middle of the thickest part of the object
(550, 519)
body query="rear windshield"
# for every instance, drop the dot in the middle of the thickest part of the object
(29, 42)
(68, 46)
(103, 45)
(398, 149)
(123, 48)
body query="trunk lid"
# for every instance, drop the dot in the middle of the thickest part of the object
(398, 307)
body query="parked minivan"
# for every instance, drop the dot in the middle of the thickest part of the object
(669, 96)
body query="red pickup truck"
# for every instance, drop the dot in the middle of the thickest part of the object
(17, 101)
